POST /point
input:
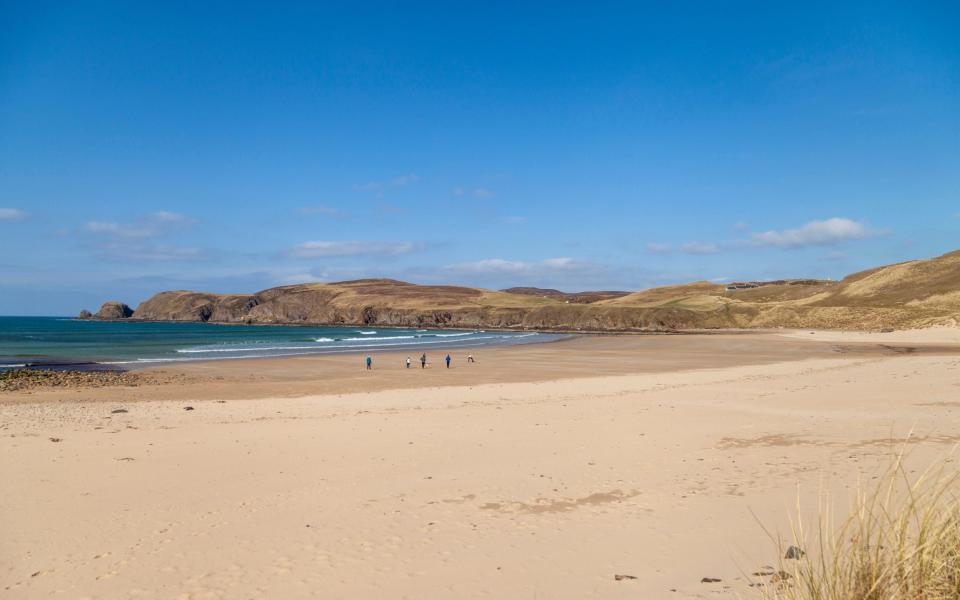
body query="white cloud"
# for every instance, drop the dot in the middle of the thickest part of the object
(482, 193)
(328, 249)
(816, 233)
(828, 232)
(13, 214)
(699, 248)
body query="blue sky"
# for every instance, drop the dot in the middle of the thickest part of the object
(232, 147)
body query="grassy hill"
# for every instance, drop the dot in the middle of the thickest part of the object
(911, 294)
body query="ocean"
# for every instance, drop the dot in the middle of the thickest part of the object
(64, 342)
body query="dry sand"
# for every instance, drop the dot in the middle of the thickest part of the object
(538, 472)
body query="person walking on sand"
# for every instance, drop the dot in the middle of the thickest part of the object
(423, 360)
(448, 361)
(470, 358)
(369, 362)
(408, 362)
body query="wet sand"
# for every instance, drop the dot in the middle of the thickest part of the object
(539, 471)
(576, 357)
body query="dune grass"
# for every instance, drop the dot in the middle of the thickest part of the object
(900, 542)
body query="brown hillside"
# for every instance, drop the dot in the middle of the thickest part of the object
(911, 294)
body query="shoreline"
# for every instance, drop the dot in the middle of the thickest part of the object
(576, 357)
(547, 471)
(921, 337)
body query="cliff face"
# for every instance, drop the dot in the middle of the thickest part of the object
(912, 294)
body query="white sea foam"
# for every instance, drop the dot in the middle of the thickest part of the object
(245, 349)
(392, 337)
(370, 344)
(367, 332)
(324, 340)
(455, 334)
(337, 350)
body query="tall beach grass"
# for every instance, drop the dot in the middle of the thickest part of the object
(900, 542)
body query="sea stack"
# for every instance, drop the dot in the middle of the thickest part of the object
(85, 314)
(113, 310)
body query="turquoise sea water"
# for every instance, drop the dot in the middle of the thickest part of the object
(27, 341)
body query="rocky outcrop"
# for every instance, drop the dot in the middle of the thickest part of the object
(113, 310)
(85, 314)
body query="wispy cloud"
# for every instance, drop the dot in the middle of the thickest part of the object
(836, 255)
(502, 266)
(331, 249)
(699, 248)
(816, 233)
(134, 241)
(149, 252)
(13, 214)
(165, 216)
(153, 225)
(480, 192)
(380, 186)
(658, 248)
(294, 278)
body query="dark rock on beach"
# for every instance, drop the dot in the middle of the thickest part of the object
(794, 553)
(85, 314)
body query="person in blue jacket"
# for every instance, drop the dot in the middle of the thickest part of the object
(369, 362)
(448, 361)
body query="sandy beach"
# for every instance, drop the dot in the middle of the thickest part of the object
(541, 471)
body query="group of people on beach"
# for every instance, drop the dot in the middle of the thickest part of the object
(423, 361)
